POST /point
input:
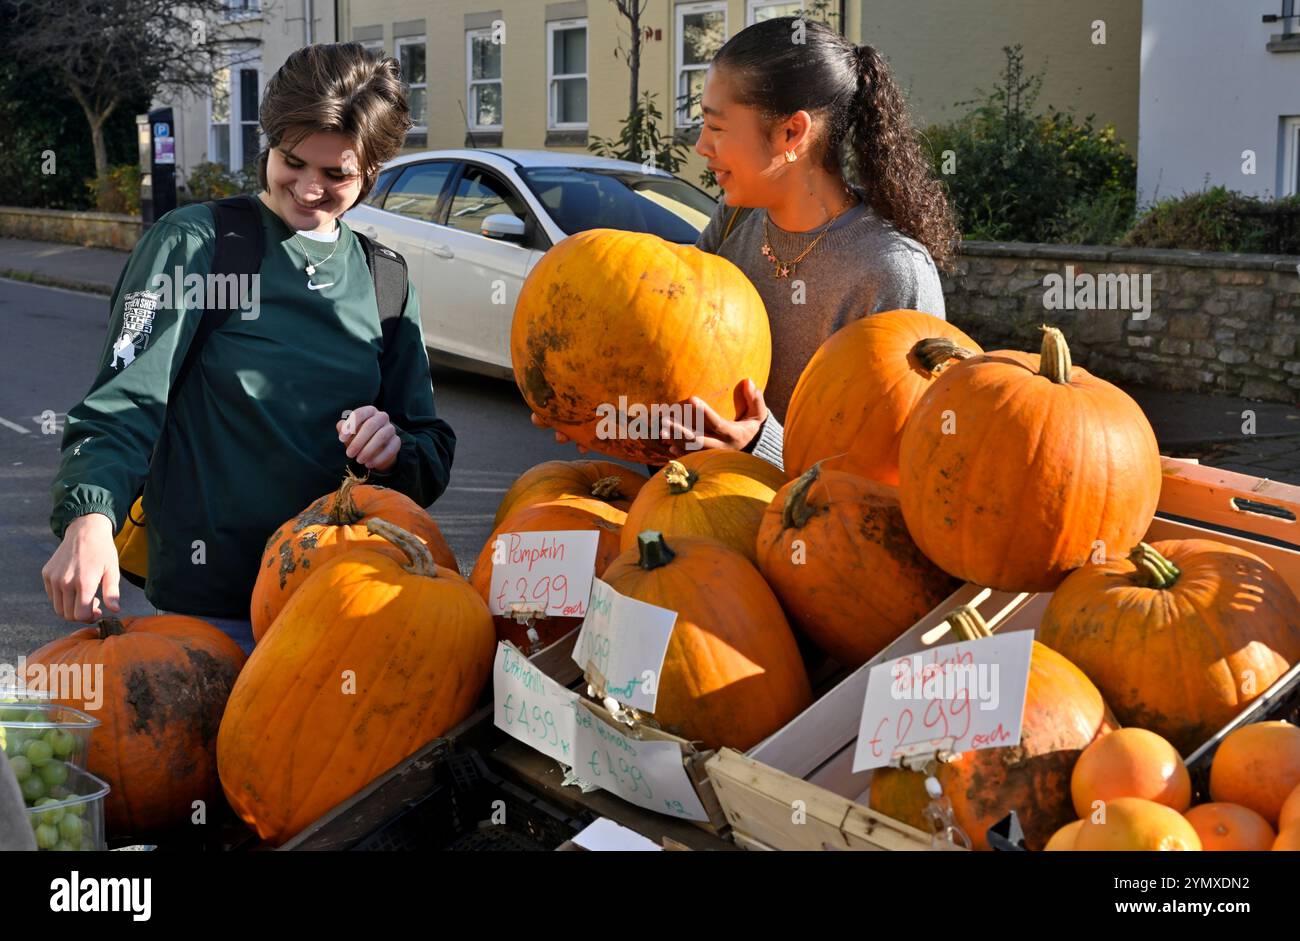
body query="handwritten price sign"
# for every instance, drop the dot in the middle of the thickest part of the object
(649, 774)
(532, 707)
(626, 640)
(546, 574)
(955, 698)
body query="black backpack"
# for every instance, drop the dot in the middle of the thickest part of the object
(242, 255)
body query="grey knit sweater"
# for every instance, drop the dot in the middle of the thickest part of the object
(862, 266)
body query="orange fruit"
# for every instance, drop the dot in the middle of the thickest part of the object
(1132, 823)
(1063, 839)
(1257, 766)
(1230, 827)
(1288, 839)
(1130, 762)
(1289, 815)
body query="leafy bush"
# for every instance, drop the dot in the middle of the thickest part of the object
(209, 180)
(1024, 176)
(639, 139)
(120, 191)
(1220, 220)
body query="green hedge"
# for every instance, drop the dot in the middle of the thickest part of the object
(1220, 220)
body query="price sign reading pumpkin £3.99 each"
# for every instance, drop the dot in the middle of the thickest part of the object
(626, 640)
(532, 707)
(545, 574)
(645, 772)
(954, 698)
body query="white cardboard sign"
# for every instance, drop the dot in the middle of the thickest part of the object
(626, 640)
(532, 707)
(546, 573)
(647, 773)
(955, 697)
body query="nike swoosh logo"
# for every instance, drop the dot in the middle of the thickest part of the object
(233, 235)
(317, 287)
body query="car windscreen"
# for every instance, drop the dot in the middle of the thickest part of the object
(581, 198)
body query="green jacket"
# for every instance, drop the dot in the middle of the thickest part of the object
(249, 440)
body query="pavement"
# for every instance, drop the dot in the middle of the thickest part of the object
(1257, 438)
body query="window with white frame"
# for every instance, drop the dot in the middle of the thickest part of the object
(242, 10)
(566, 72)
(1291, 156)
(483, 70)
(409, 51)
(760, 10)
(701, 31)
(234, 137)
(373, 45)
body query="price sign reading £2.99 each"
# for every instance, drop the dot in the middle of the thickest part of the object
(544, 574)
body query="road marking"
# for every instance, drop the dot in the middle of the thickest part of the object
(16, 427)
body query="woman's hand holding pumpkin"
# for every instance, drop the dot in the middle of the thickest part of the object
(560, 437)
(714, 431)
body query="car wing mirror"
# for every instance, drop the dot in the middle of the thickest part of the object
(502, 225)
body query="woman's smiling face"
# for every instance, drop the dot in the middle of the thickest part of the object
(746, 161)
(313, 181)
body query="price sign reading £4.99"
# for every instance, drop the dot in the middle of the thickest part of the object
(532, 707)
(954, 698)
(543, 574)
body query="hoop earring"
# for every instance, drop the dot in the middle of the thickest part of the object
(790, 156)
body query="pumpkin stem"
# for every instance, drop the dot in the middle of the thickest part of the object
(654, 552)
(1153, 569)
(110, 627)
(416, 551)
(607, 488)
(1054, 358)
(679, 478)
(796, 512)
(968, 624)
(343, 511)
(933, 352)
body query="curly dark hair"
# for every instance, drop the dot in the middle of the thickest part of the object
(340, 87)
(786, 64)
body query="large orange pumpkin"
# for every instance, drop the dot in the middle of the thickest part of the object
(1131, 823)
(1179, 636)
(333, 524)
(836, 551)
(732, 674)
(612, 323)
(165, 683)
(1257, 766)
(1063, 715)
(1289, 815)
(1013, 467)
(376, 659)
(1063, 839)
(854, 396)
(556, 480)
(1288, 841)
(715, 493)
(556, 516)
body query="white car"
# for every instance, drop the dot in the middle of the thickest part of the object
(472, 223)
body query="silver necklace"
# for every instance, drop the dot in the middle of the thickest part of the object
(311, 266)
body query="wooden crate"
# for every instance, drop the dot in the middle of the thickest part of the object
(811, 759)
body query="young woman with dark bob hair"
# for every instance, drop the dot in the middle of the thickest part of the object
(256, 430)
(830, 205)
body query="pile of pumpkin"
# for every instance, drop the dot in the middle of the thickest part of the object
(916, 461)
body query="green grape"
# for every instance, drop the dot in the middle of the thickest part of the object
(54, 773)
(70, 827)
(22, 767)
(64, 743)
(63, 846)
(87, 843)
(62, 793)
(13, 713)
(39, 753)
(33, 788)
(46, 836)
(34, 715)
(52, 817)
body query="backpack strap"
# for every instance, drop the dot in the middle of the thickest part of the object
(739, 212)
(388, 269)
(239, 252)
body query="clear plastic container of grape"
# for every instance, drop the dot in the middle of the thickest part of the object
(44, 742)
(76, 821)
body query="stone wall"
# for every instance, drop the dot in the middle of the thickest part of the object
(1217, 322)
(91, 229)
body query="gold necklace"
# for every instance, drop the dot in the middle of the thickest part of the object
(783, 269)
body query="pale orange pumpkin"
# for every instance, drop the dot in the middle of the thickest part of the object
(854, 396)
(1258, 766)
(719, 494)
(612, 322)
(836, 551)
(1013, 466)
(335, 523)
(1131, 823)
(1230, 827)
(165, 683)
(370, 660)
(732, 674)
(1179, 636)
(1063, 839)
(1130, 762)
(556, 480)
